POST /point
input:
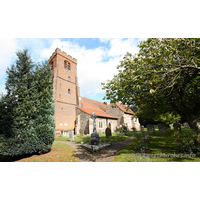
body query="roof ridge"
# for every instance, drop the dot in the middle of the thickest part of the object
(93, 100)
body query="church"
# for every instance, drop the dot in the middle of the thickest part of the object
(73, 112)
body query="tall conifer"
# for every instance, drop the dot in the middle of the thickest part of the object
(31, 125)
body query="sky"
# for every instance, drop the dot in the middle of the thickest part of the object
(97, 58)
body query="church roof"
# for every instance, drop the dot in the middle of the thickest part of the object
(89, 106)
(124, 108)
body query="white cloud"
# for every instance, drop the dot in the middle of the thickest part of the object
(120, 47)
(8, 49)
(104, 40)
(91, 69)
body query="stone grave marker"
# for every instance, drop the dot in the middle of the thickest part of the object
(100, 132)
(171, 126)
(71, 136)
(186, 125)
(163, 128)
(108, 132)
(150, 128)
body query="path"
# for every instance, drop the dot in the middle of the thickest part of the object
(104, 155)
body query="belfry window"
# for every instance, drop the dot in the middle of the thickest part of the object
(68, 66)
(69, 91)
(65, 64)
(69, 79)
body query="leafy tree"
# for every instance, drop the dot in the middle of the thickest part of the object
(163, 77)
(29, 106)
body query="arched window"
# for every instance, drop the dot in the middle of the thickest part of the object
(69, 91)
(69, 79)
(68, 66)
(65, 64)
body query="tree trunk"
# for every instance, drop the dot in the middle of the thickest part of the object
(194, 124)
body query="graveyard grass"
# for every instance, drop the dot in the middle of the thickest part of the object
(59, 153)
(159, 144)
(86, 139)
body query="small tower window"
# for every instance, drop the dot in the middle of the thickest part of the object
(65, 64)
(68, 66)
(69, 91)
(69, 79)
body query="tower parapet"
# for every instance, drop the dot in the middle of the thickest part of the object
(64, 54)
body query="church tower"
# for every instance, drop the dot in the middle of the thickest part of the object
(66, 90)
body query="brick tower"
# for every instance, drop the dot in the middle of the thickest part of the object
(66, 90)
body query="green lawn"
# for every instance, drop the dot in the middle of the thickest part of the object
(163, 148)
(86, 139)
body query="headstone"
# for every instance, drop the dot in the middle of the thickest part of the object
(81, 132)
(150, 128)
(163, 128)
(108, 132)
(71, 136)
(171, 126)
(186, 125)
(100, 132)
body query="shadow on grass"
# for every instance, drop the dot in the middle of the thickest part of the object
(16, 158)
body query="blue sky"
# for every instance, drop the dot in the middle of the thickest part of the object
(97, 58)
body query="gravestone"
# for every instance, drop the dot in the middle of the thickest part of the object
(71, 136)
(81, 132)
(100, 132)
(108, 132)
(150, 128)
(186, 125)
(162, 128)
(171, 126)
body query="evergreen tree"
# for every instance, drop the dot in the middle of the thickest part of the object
(28, 89)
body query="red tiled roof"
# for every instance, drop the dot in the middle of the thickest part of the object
(89, 106)
(124, 108)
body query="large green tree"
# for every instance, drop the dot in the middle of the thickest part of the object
(163, 77)
(27, 123)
